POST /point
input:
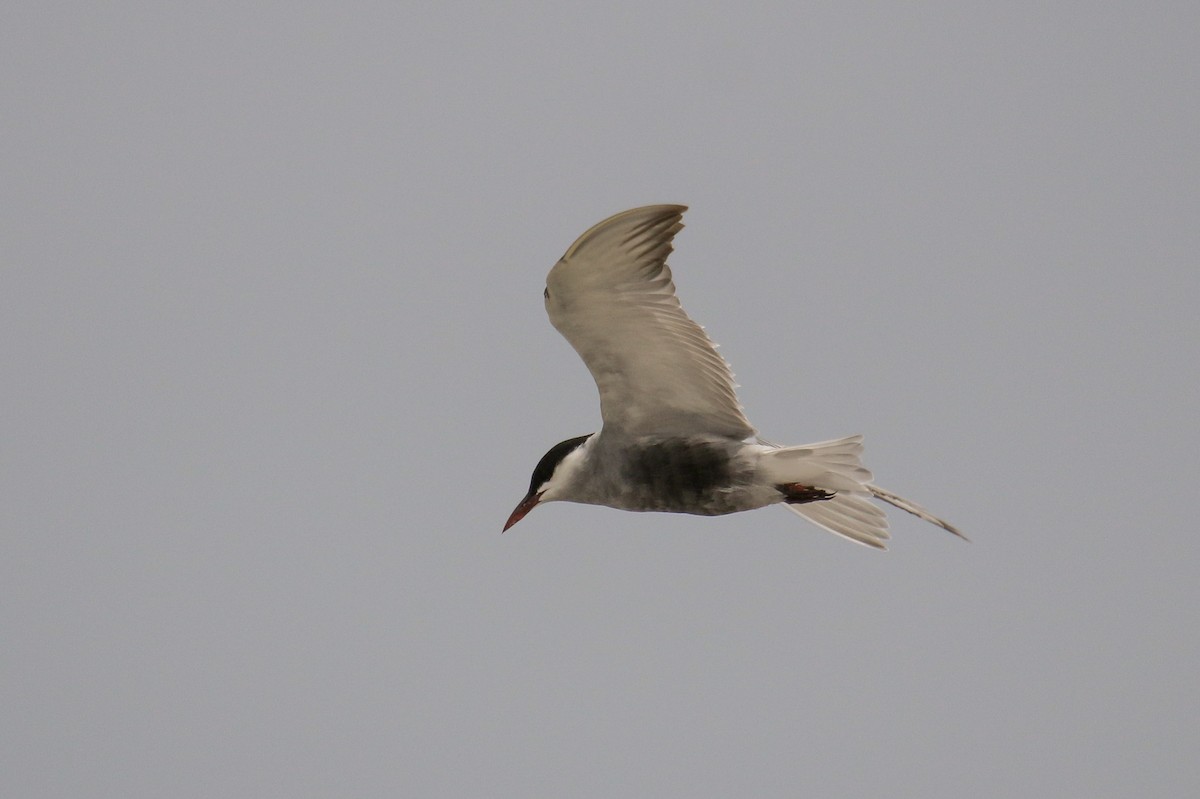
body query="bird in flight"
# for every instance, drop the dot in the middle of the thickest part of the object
(674, 437)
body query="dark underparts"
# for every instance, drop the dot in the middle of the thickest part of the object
(679, 472)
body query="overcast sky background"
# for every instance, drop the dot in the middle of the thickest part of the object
(276, 369)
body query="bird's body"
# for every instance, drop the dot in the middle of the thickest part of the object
(674, 437)
(704, 475)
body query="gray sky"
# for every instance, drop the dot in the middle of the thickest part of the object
(277, 369)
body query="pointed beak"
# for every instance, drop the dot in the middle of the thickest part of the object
(525, 505)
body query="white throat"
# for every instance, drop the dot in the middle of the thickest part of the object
(561, 483)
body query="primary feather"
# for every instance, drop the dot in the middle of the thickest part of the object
(611, 296)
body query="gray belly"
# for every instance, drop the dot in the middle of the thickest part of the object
(685, 476)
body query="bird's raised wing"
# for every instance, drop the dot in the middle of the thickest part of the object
(612, 297)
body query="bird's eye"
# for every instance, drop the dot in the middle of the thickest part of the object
(546, 292)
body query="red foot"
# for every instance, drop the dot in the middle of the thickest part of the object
(798, 494)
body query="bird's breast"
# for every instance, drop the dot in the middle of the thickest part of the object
(682, 476)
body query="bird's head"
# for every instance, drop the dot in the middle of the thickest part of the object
(551, 477)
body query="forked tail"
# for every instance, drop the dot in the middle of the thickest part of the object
(827, 484)
(913, 508)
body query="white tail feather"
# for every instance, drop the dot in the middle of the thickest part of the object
(835, 466)
(832, 465)
(850, 516)
(913, 508)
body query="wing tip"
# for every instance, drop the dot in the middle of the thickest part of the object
(655, 214)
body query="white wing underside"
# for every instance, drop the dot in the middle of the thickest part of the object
(611, 296)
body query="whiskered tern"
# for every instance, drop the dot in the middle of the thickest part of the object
(674, 437)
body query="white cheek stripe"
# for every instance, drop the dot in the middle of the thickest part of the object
(564, 473)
